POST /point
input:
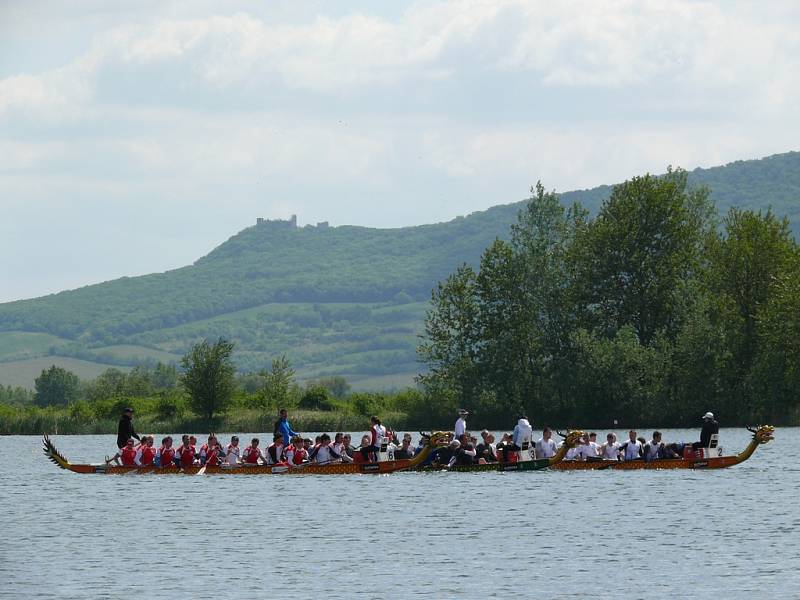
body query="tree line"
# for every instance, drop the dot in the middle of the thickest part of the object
(652, 312)
(205, 392)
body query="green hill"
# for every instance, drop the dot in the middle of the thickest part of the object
(336, 300)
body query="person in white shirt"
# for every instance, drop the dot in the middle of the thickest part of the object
(323, 453)
(339, 447)
(461, 424)
(632, 449)
(654, 448)
(610, 450)
(233, 452)
(593, 443)
(572, 453)
(523, 432)
(546, 447)
(586, 451)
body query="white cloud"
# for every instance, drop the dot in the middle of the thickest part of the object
(184, 111)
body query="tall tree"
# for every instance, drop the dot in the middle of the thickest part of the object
(635, 257)
(277, 381)
(56, 386)
(450, 341)
(752, 267)
(208, 377)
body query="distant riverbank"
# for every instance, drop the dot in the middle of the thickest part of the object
(35, 421)
(61, 421)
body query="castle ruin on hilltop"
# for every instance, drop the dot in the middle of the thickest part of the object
(286, 224)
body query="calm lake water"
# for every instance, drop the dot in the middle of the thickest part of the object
(732, 533)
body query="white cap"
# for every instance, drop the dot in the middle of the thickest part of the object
(708, 415)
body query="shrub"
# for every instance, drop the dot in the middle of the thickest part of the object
(316, 397)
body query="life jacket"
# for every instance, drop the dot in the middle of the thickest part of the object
(166, 455)
(299, 454)
(187, 456)
(358, 458)
(212, 456)
(250, 455)
(128, 455)
(148, 454)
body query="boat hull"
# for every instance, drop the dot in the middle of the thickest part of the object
(720, 462)
(526, 465)
(308, 469)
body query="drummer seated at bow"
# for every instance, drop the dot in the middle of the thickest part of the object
(252, 454)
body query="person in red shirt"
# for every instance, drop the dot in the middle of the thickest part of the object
(145, 453)
(166, 453)
(186, 455)
(127, 453)
(253, 453)
(209, 453)
(207, 447)
(296, 454)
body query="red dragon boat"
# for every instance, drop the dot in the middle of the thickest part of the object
(384, 465)
(704, 458)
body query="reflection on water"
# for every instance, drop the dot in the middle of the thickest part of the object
(632, 534)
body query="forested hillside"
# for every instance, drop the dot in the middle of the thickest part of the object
(336, 300)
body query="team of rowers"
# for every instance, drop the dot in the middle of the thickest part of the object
(288, 448)
(291, 449)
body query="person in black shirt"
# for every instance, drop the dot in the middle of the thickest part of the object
(485, 450)
(710, 427)
(125, 428)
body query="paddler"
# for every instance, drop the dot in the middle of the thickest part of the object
(145, 453)
(166, 453)
(253, 453)
(127, 453)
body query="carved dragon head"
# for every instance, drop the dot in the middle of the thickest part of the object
(762, 434)
(572, 438)
(437, 439)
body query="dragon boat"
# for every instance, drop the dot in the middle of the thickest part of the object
(703, 458)
(385, 463)
(525, 462)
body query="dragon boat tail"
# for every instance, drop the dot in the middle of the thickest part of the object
(705, 458)
(431, 441)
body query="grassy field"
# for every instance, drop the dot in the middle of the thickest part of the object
(23, 372)
(132, 353)
(15, 345)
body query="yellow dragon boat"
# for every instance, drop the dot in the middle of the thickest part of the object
(704, 458)
(431, 441)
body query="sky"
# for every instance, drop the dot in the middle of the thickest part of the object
(137, 136)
